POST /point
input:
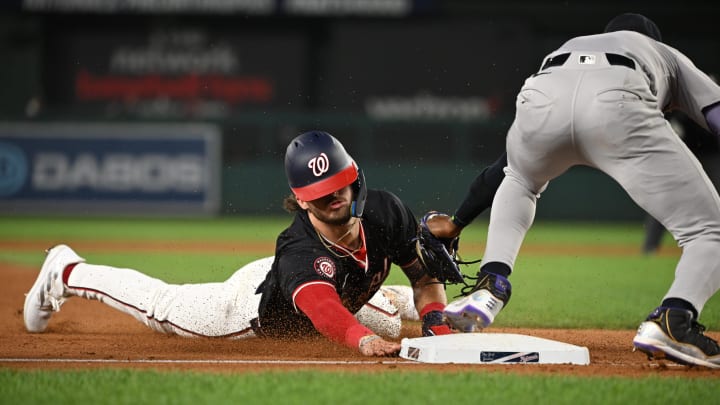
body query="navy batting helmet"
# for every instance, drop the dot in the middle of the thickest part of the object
(316, 164)
(634, 22)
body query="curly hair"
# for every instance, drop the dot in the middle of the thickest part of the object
(290, 204)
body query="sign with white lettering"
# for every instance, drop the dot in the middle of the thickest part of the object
(124, 168)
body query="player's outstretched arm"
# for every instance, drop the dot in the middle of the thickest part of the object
(321, 303)
(374, 345)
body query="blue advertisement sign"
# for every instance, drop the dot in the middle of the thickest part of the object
(110, 169)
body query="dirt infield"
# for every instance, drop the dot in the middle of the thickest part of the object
(88, 334)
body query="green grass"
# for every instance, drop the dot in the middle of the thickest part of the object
(560, 290)
(227, 228)
(301, 387)
(563, 290)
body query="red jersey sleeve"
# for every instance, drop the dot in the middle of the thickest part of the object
(321, 303)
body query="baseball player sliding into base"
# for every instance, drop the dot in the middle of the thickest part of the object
(328, 265)
(598, 101)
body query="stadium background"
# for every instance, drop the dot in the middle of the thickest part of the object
(421, 92)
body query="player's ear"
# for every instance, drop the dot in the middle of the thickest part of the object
(302, 204)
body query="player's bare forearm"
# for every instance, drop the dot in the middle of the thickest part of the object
(430, 300)
(428, 290)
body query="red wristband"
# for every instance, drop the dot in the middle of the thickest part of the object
(433, 306)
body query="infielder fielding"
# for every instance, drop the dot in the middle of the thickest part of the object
(598, 101)
(328, 264)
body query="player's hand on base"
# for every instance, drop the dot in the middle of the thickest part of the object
(374, 345)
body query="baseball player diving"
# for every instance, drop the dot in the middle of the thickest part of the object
(598, 101)
(325, 277)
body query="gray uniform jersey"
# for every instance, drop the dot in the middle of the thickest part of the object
(598, 101)
(673, 79)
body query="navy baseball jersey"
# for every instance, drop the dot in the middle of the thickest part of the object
(303, 257)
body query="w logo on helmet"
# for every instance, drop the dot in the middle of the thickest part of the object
(331, 169)
(319, 164)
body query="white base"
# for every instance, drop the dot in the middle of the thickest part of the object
(492, 348)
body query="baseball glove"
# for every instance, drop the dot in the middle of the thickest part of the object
(438, 255)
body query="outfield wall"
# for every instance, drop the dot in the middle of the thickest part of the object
(421, 92)
(171, 169)
(581, 194)
(183, 169)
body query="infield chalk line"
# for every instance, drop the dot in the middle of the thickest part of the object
(161, 361)
(279, 362)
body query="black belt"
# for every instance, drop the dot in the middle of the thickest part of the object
(612, 58)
